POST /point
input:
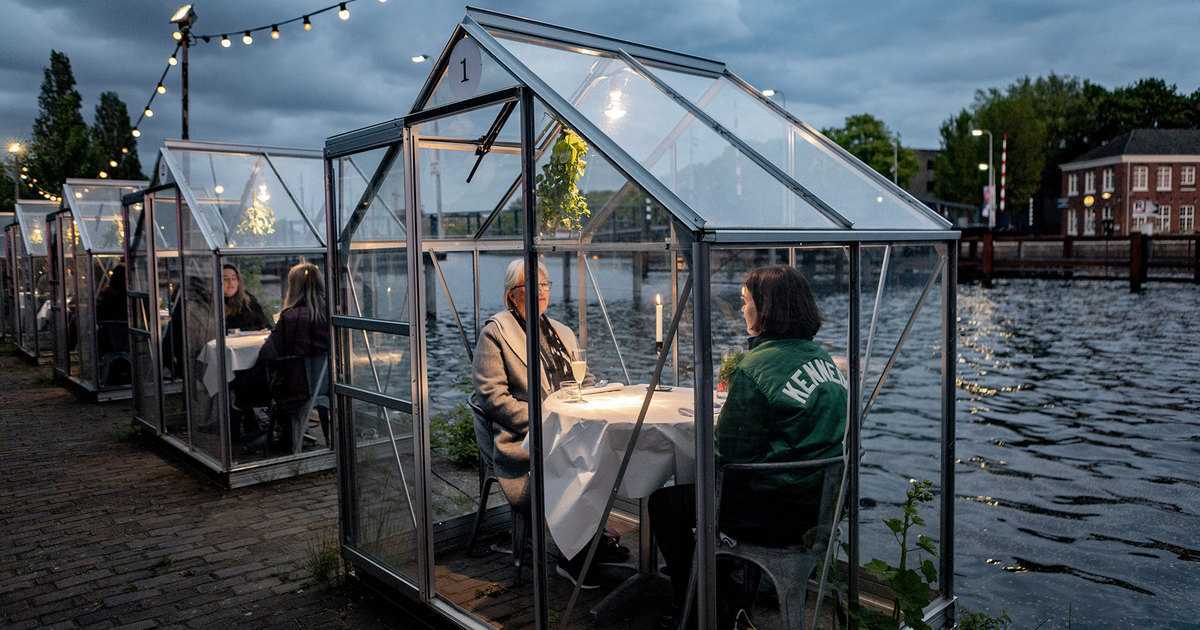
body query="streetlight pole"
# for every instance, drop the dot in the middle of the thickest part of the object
(991, 177)
(184, 17)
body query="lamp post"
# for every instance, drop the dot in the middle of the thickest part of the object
(991, 177)
(183, 19)
(772, 93)
(14, 151)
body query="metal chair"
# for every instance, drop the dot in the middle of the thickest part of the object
(789, 567)
(316, 370)
(485, 441)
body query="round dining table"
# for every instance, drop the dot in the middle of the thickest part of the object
(584, 443)
(241, 353)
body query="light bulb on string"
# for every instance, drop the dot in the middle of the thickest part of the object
(103, 175)
(149, 113)
(247, 39)
(307, 23)
(225, 43)
(274, 31)
(161, 89)
(112, 163)
(177, 35)
(172, 60)
(343, 12)
(124, 150)
(136, 133)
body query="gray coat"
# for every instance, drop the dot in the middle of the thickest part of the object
(502, 393)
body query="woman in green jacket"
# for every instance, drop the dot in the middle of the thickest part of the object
(786, 403)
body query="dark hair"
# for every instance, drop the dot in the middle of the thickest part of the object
(241, 299)
(784, 302)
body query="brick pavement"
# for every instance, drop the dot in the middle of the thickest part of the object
(99, 529)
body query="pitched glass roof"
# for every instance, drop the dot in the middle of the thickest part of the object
(31, 217)
(248, 196)
(729, 157)
(95, 205)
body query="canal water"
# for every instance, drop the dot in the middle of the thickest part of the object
(1078, 433)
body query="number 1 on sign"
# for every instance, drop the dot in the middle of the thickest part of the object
(463, 62)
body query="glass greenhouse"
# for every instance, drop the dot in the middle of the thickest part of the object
(87, 287)
(639, 191)
(31, 280)
(215, 211)
(7, 325)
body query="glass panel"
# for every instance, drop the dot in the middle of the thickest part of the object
(384, 522)
(374, 278)
(811, 160)
(242, 202)
(96, 209)
(702, 168)
(384, 216)
(378, 362)
(31, 215)
(145, 392)
(207, 407)
(469, 71)
(901, 429)
(61, 299)
(305, 179)
(43, 343)
(111, 345)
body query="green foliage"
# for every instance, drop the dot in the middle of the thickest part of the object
(560, 204)
(6, 188)
(910, 586)
(452, 435)
(972, 620)
(111, 131)
(60, 138)
(729, 363)
(872, 142)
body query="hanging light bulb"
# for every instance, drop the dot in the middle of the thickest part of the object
(225, 43)
(112, 163)
(177, 35)
(307, 23)
(136, 133)
(247, 39)
(103, 175)
(172, 60)
(79, 195)
(219, 189)
(161, 89)
(274, 31)
(343, 12)
(149, 113)
(124, 150)
(615, 110)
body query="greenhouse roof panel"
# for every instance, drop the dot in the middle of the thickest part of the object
(249, 197)
(31, 217)
(95, 205)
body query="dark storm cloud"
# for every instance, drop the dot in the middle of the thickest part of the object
(912, 64)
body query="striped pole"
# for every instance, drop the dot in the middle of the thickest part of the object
(1003, 166)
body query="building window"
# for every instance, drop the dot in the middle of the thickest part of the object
(1089, 222)
(1164, 178)
(1141, 177)
(1107, 180)
(1139, 219)
(1163, 222)
(1072, 185)
(1187, 176)
(1072, 223)
(1089, 182)
(1187, 219)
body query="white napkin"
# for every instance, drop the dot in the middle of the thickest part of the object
(611, 387)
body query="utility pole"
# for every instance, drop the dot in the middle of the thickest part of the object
(184, 17)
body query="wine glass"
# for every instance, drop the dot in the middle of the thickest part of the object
(579, 368)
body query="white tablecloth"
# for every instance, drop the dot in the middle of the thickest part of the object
(584, 444)
(241, 352)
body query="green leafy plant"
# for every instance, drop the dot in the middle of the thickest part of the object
(729, 363)
(910, 587)
(974, 620)
(560, 205)
(452, 434)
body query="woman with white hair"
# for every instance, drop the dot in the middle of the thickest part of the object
(502, 386)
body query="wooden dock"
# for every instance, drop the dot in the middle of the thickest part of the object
(1138, 258)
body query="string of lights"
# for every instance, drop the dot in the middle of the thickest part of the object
(160, 88)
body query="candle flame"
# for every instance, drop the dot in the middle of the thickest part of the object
(658, 298)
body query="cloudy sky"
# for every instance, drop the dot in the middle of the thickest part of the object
(910, 63)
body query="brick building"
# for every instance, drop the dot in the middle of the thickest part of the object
(1107, 185)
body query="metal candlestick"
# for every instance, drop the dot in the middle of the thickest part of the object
(658, 349)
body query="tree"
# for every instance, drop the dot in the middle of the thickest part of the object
(869, 140)
(1148, 104)
(6, 188)
(60, 138)
(1020, 113)
(957, 166)
(110, 133)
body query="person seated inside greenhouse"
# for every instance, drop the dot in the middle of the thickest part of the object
(502, 393)
(243, 313)
(112, 341)
(296, 351)
(775, 412)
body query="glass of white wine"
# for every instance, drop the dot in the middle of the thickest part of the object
(579, 369)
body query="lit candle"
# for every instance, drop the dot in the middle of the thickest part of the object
(658, 318)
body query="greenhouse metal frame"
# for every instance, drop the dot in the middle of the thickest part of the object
(258, 208)
(815, 198)
(31, 294)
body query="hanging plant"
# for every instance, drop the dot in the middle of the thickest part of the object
(560, 205)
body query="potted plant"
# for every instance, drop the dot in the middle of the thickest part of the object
(560, 204)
